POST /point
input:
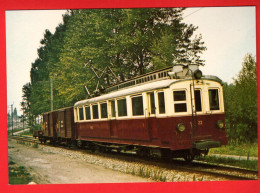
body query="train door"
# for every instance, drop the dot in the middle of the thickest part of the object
(202, 130)
(113, 121)
(151, 119)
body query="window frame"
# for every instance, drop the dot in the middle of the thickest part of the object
(104, 102)
(132, 110)
(92, 105)
(110, 112)
(149, 103)
(90, 109)
(201, 100)
(81, 107)
(219, 102)
(180, 101)
(164, 93)
(117, 114)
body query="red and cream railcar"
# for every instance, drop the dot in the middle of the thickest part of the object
(172, 117)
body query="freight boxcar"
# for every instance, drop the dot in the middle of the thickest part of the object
(59, 126)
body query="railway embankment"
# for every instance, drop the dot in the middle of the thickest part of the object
(59, 165)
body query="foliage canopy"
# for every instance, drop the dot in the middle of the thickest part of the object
(128, 41)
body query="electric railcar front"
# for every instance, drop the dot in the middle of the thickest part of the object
(175, 117)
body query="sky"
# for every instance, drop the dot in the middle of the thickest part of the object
(228, 33)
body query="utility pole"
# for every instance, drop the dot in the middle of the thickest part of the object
(12, 119)
(51, 93)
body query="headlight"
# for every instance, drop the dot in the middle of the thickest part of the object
(197, 74)
(181, 127)
(220, 124)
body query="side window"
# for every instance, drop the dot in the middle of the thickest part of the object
(121, 107)
(95, 111)
(137, 105)
(179, 98)
(161, 102)
(198, 106)
(213, 99)
(113, 108)
(103, 107)
(151, 103)
(81, 113)
(88, 113)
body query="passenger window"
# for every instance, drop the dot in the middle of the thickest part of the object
(197, 94)
(103, 110)
(88, 113)
(161, 102)
(113, 108)
(121, 107)
(137, 105)
(179, 98)
(81, 113)
(213, 99)
(95, 111)
(151, 103)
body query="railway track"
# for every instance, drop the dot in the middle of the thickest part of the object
(197, 167)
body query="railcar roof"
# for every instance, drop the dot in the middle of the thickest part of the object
(128, 91)
(159, 84)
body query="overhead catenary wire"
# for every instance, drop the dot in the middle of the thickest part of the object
(193, 12)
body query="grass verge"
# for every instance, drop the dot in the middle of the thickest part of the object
(246, 149)
(247, 164)
(18, 174)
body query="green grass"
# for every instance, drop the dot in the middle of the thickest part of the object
(250, 150)
(29, 132)
(18, 175)
(247, 164)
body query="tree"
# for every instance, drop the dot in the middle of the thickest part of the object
(241, 103)
(128, 41)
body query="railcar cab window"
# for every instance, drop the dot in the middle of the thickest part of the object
(121, 107)
(161, 102)
(103, 107)
(213, 99)
(179, 98)
(81, 113)
(95, 111)
(113, 108)
(198, 106)
(87, 112)
(137, 105)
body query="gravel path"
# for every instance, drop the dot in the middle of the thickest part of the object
(49, 165)
(57, 165)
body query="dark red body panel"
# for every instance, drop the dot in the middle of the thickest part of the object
(156, 132)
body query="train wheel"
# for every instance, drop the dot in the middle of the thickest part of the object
(143, 152)
(189, 158)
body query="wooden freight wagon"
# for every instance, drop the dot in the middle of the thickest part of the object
(49, 124)
(59, 126)
(65, 126)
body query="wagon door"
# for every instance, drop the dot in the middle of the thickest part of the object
(46, 126)
(113, 121)
(60, 126)
(69, 128)
(151, 116)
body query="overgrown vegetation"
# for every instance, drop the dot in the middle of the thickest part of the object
(241, 104)
(18, 174)
(240, 149)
